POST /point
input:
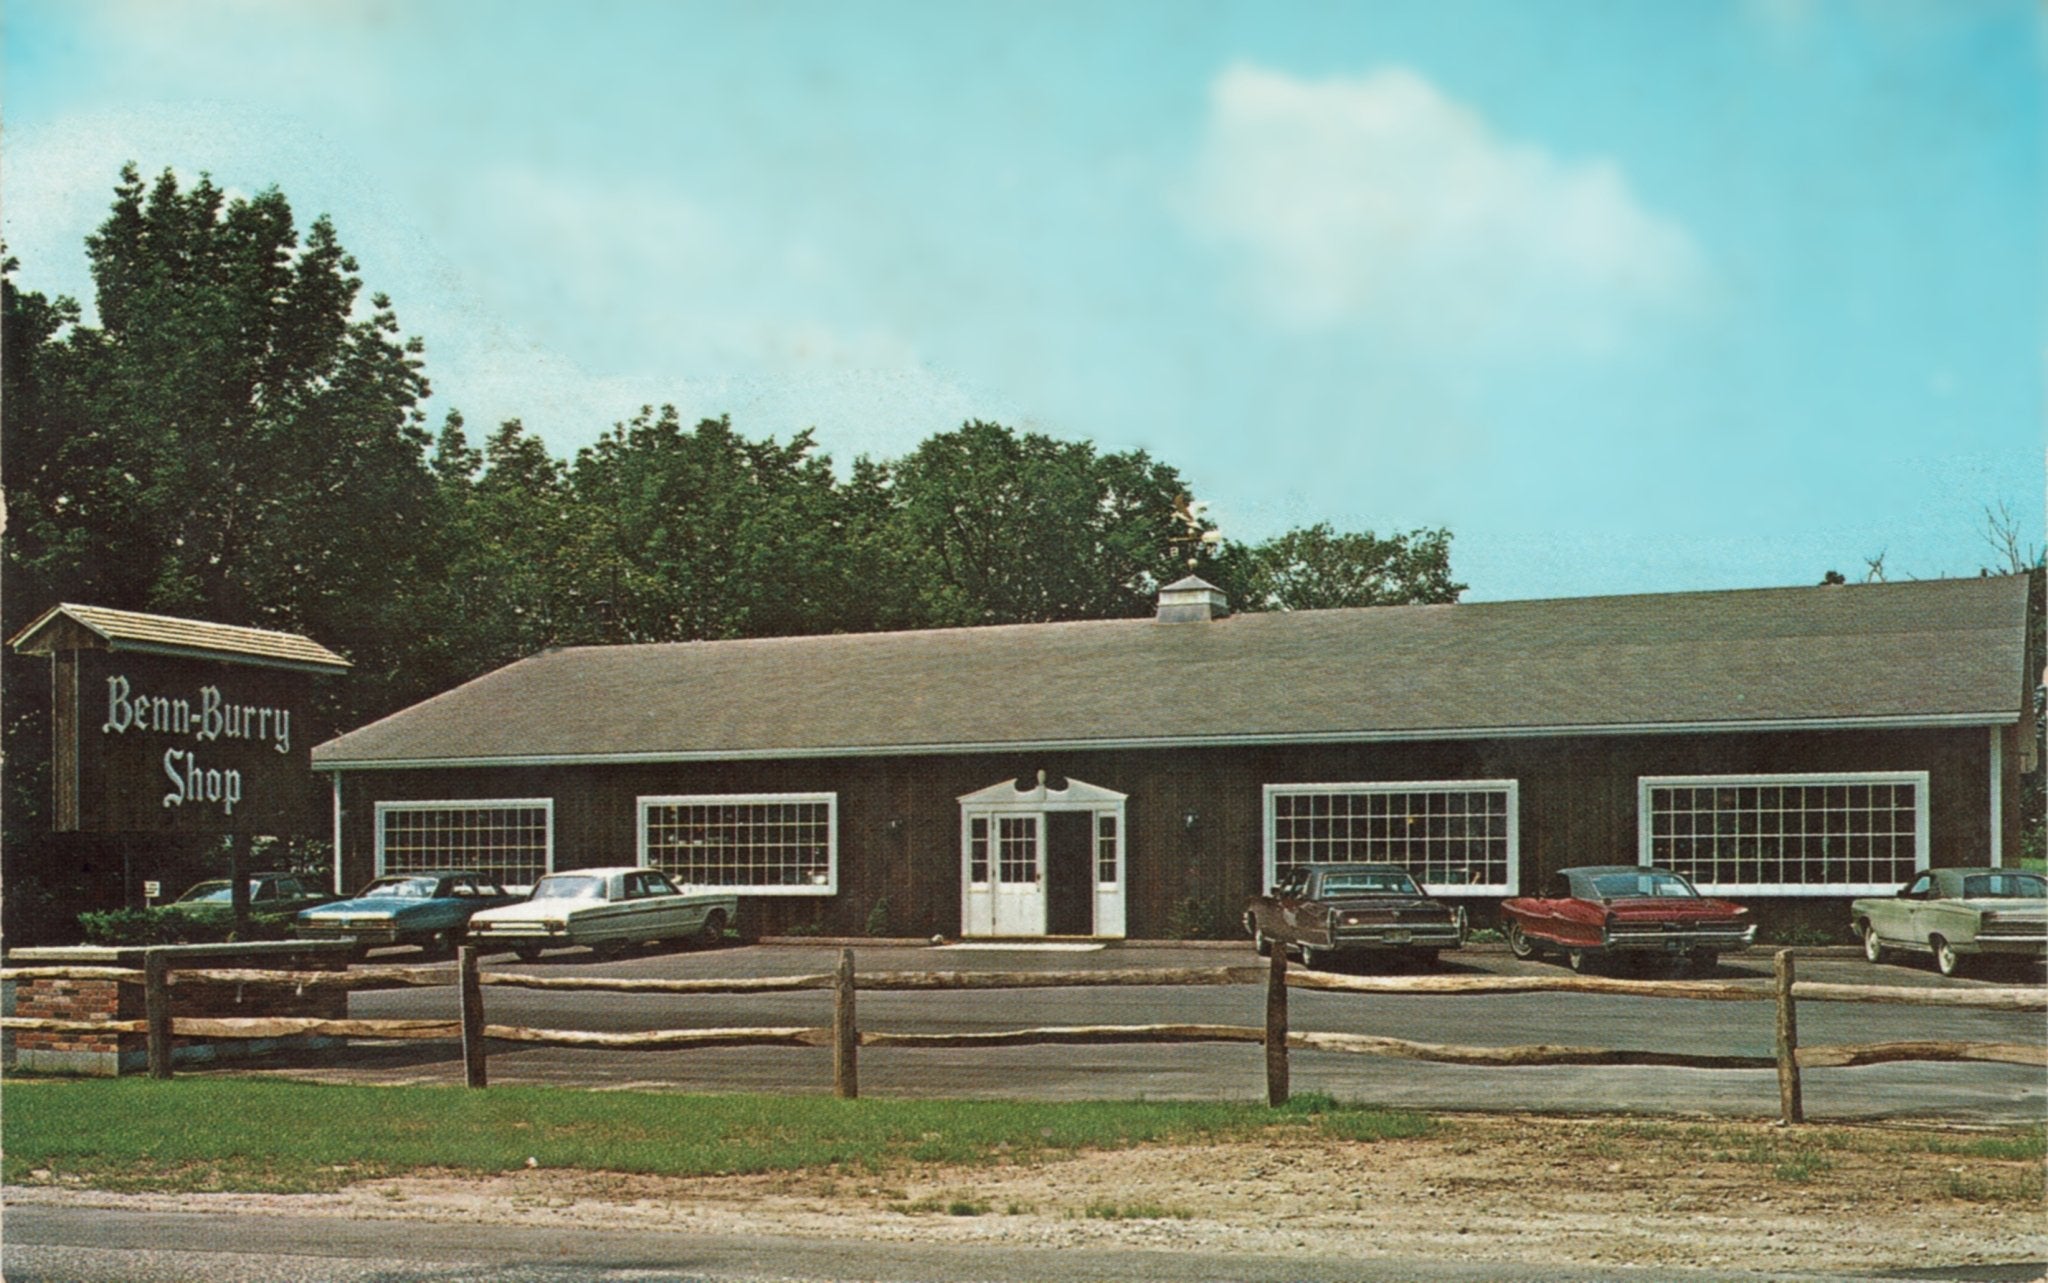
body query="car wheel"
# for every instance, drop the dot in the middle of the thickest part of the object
(358, 952)
(1578, 960)
(1702, 962)
(1519, 942)
(438, 945)
(1263, 943)
(712, 933)
(1873, 948)
(1946, 960)
(1315, 959)
(1427, 957)
(527, 952)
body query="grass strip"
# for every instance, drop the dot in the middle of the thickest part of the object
(266, 1135)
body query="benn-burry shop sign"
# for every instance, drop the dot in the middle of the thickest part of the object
(203, 720)
(173, 726)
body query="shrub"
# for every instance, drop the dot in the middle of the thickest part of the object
(1191, 918)
(169, 924)
(878, 918)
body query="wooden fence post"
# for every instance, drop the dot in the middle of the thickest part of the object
(156, 1009)
(472, 1018)
(1790, 1109)
(845, 1035)
(1276, 1028)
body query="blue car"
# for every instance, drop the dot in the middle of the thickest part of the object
(430, 910)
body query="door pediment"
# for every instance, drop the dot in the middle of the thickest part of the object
(1077, 793)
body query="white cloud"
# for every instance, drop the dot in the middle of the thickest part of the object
(1384, 201)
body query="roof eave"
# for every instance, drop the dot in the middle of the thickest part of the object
(1248, 740)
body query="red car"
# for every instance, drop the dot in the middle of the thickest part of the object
(1611, 910)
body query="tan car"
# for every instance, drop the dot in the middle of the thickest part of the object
(1957, 914)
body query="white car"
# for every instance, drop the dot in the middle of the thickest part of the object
(607, 910)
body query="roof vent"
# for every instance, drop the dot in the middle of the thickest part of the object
(1191, 600)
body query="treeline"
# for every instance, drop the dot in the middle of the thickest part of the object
(240, 437)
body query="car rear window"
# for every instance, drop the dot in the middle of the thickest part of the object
(569, 888)
(1368, 884)
(1648, 883)
(2004, 886)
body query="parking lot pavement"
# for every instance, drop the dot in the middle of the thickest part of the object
(1982, 1092)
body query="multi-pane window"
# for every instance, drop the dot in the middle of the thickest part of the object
(1789, 834)
(1451, 836)
(511, 838)
(977, 850)
(1105, 847)
(1017, 848)
(764, 843)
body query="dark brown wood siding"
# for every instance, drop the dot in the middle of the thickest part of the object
(1195, 828)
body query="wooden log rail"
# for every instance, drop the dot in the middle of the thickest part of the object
(845, 1037)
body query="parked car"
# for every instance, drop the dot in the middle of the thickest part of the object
(271, 895)
(1603, 911)
(608, 910)
(1327, 910)
(429, 909)
(1957, 914)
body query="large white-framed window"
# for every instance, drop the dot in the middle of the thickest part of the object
(1456, 837)
(1853, 833)
(759, 843)
(513, 838)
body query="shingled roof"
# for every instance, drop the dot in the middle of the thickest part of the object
(104, 628)
(1931, 652)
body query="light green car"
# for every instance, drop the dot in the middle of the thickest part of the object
(609, 910)
(1956, 914)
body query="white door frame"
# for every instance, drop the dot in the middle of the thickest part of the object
(988, 908)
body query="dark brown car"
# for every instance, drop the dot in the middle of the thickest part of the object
(1330, 909)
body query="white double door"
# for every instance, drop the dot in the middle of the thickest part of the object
(1042, 862)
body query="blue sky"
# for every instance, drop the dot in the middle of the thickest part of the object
(1630, 296)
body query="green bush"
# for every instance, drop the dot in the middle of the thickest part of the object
(1191, 919)
(878, 918)
(169, 924)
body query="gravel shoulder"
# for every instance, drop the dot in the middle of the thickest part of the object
(1739, 1196)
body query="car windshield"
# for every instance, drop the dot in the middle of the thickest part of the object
(1633, 885)
(401, 889)
(1389, 883)
(2005, 886)
(569, 888)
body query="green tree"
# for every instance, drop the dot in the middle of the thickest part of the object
(706, 534)
(993, 526)
(1318, 568)
(262, 430)
(235, 438)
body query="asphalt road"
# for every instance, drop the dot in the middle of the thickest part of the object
(1976, 1092)
(86, 1245)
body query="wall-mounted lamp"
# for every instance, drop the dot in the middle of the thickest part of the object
(1190, 820)
(896, 825)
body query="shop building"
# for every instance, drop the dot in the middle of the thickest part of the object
(1792, 747)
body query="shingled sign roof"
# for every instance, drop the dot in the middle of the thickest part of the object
(1923, 653)
(108, 629)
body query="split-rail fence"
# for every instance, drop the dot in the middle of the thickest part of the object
(845, 1037)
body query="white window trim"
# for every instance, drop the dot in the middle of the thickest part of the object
(468, 804)
(1917, 779)
(831, 800)
(1512, 788)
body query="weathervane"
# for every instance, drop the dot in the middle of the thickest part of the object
(1193, 533)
